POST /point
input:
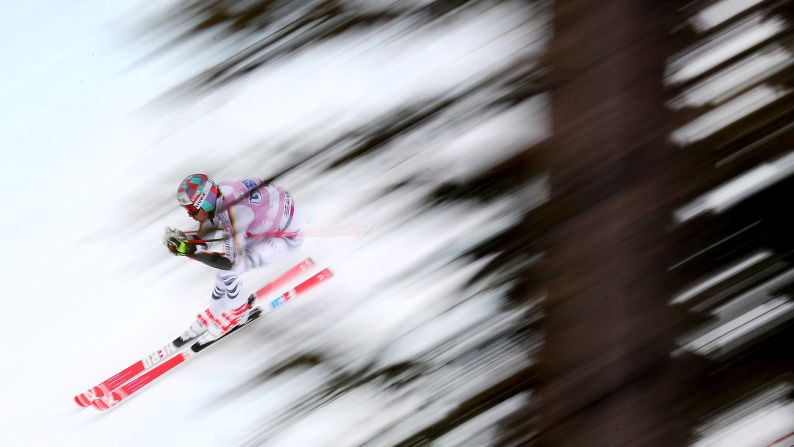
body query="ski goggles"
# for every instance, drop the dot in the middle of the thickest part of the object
(192, 210)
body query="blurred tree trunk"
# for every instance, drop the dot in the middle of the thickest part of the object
(606, 376)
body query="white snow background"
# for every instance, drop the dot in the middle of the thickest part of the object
(88, 287)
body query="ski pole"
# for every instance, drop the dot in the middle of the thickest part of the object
(312, 232)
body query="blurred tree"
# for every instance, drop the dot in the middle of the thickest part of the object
(606, 374)
(612, 256)
(711, 242)
(272, 29)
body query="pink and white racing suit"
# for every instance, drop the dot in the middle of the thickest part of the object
(260, 223)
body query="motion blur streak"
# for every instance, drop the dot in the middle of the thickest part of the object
(602, 191)
(578, 213)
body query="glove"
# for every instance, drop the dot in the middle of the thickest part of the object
(175, 241)
(180, 248)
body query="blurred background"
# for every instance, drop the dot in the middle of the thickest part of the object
(552, 223)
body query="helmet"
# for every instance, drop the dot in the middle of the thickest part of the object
(197, 192)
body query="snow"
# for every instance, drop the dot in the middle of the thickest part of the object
(736, 190)
(726, 114)
(708, 53)
(720, 11)
(722, 275)
(766, 416)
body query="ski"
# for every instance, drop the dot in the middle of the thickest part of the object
(115, 396)
(123, 392)
(150, 361)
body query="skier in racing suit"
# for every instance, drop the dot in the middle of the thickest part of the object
(251, 223)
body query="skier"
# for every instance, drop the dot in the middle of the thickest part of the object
(257, 222)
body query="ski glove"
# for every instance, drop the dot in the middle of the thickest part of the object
(175, 241)
(180, 248)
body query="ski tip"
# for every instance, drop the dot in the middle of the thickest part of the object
(100, 405)
(82, 401)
